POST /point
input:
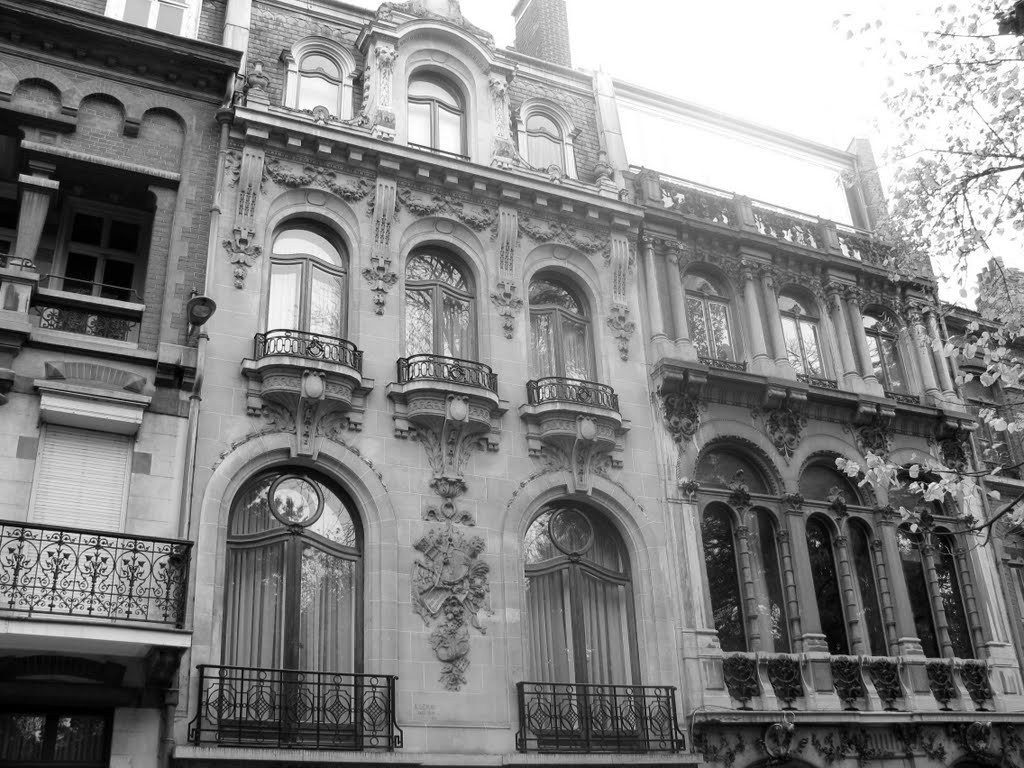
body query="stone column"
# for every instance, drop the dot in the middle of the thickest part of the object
(812, 639)
(755, 330)
(678, 297)
(931, 576)
(974, 620)
(885, 598)
(749, 592)
(924, 358)
(858, 643)
(770, 288)
(655, 317)
(837, 310)
(907, 641)
(789, 584)
(941, 362)
(37, 190)
(867, 371)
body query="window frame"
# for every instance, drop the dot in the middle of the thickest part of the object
(706, 299)
(307, 263)
(446, 84)
(880, 336)
(312, 46)
(189, 21)
(799, 319)
(437, 290)
(52, 714)
(562, 121)
(557, 313)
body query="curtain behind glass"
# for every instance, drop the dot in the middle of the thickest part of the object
(542, 345)
(547, 605)
(576, 348)
(606, 625)
(254, 615)
(543, 151)
(327, 617)
(325, 303)
(455, 327)
(283, 310)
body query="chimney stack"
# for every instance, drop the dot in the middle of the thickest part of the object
(542, 30)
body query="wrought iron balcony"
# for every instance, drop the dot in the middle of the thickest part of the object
(723, 365)
(555, 389)
(446, 369)
(71, 572)
(817, 381)
(564, 717)
(311, 346)
(903, 397)
(251, 707)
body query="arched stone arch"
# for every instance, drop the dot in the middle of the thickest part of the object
(37, 95)
(103, 114)
(645, 539)
(380, 531)
(818, 443)
(712, 272)
(826, 457)
(738, 436)
(163, 132)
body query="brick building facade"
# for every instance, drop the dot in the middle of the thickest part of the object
(495, 448)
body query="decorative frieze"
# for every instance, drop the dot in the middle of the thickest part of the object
(622, 329)
(565, 233)
(476, 217)
(286, 175)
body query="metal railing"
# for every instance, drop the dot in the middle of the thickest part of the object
(10, 261)
(564, 717)
(311, 346)
(903, 397)
(817, 381)
(446, 369)
(255, 707)
(98, 323)
(723, 365)
(72, 572)
(555, 389)
(90, 288)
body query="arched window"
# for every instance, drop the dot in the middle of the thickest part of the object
(439, 305)
(864, 570)
(800, 328)
(819, 482)
(826, 586)
(765, 553)
(579, 599)
(707, 314)
(437, 114)
(723, 468)
(559, 331)
(320, 83)
(544, 142)
(882, 333)
(723, 577)
(319, 75)
(952, 596)
(293, 576)
(307, 281)
(917, 587)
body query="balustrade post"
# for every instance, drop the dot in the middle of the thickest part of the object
(37, 190)
(770, 287)
(678, 299)
(931, 575)
(789, 583)
(858, 643)
(837, 310)
(755, 328)
(892, 634)
(867, 371)
(749, 594)
(923, 356)
(654, 313)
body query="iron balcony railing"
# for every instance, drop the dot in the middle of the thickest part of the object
(447, 369)
(903, 397)
(564, 717)
(312, 346)
(555, 389)
(817, 381)
(246, 706)
(71, 572)
(723, 365)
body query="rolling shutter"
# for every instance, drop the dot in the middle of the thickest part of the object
(81, 478)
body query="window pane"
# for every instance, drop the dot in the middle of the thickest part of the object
(327, 612)
(722, 467)
(316, 62)
(607, 628)
(792, 336)
(723, 579)
(315, 91)
(304, 242)
(283, 309)
(767, 551)
(893, 369)
(863, 566)
(576, 349)
(87, 229)
(952, 599)
(21, 737)
(254, 619)
(421, 88)
(920, 604)
(812, 354)
(543, 151)
(449, 131)
(117, 280)
(720, 337)
(124, 236)
(80, 739)
(551, 647)
(698, 326)
(826, 587)
(875, 353)
(137, 11)
(539, 122)
(79, 273)
(438, 267)
(419, 323)
(456, 338)
(545, 292)
(419, 124)
(326, 302)
(542, 345)
(169, 18)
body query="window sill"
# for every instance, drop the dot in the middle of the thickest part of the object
(91, 345)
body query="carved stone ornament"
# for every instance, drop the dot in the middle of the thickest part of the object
(283, 175)
(682, 415)
(793, 500)
(504, 151)
(784, 426)
(476, 217)
(381, 280)
(383, 208)
(508, 306)
(688, 487)
(953, 449)
(875, 436)
(622, 329)
(837, 500)
(449, 589)
(739, 491)
(779, 740)
(243, 255)
(542, 231)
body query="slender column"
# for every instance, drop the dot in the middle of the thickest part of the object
(792, 600)
(924, 359)
(678, 294)
(885, 598)
(759, 352)
(931, 575)
(858, 646)
(907, 641)
(37, 189)
(941, 363)
(811, 638)
(970, 600)
(657, 323)
(770, 288)
(837, 310)
(749, 596)
(853, 301)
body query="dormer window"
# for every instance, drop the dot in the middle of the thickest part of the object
(176, 17)
(437, 115)
(319, 83)
(545, 138)
(319, 75)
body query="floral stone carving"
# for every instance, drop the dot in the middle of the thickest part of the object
(243, 255)
(875, 437)
(450, 586)
(508, 305)
(682, 416)
(784, 427)
(622, 328)
(740, 671)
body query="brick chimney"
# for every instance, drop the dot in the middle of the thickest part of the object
(542, 30)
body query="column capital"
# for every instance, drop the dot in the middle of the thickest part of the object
(855, 295)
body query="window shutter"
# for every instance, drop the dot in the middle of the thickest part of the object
(81, 478)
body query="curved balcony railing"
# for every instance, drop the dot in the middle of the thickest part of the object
(565, 717)
(447, 369)
(71, 572)
(555, 389)
(311, 346)
(274, 708)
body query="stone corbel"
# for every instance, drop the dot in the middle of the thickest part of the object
(508, 306)
(622, 328)
(581, 447)
(379, 275)
(241, 248)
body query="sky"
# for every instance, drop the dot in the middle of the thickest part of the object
(782, 64)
